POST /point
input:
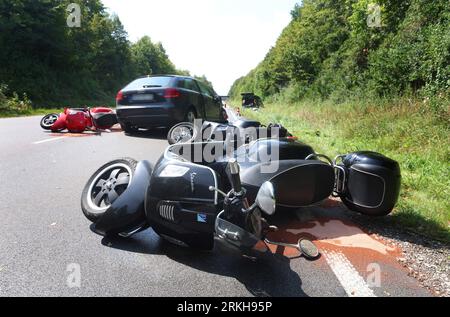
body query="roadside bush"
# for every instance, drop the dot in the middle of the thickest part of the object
(328, 51)
(13, 103)
(59, 66)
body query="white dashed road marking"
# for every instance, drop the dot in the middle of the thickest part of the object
(49, 140)
(352, 282)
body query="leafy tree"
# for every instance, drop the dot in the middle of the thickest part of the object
(330, 50)
(149, 58)
(56, 65)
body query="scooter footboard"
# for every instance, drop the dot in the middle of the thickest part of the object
(368, 183)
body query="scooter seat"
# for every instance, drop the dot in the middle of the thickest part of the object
(298, 183)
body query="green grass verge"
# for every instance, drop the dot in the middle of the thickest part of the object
(8, 113)
(404, 130)
(27, 113)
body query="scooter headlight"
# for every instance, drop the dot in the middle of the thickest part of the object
(174, 171)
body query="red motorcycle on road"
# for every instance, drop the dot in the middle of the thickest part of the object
(79, 120)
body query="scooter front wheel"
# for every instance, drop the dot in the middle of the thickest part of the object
(105, 186)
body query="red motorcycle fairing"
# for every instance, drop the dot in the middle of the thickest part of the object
(126, 216)
(60, 124)
(77, 121)
(101, 110)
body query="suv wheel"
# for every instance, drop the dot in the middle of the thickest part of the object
(128, 128)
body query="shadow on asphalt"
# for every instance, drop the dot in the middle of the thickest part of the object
(155, 134)
(269, 276)
(86, 133)
(147, 242)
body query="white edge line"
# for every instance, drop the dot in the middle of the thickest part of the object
(49, 140)
(352, 282)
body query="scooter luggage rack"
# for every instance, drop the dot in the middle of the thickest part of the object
(319, 156)
(340, 172)
(341, 177)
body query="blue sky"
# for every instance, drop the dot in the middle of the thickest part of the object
(222, 39)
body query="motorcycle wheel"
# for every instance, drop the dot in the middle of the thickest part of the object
(49, 120)
(105, 186)
(181, 133)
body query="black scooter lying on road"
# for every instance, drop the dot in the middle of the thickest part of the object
(204, 131)
(229, 197)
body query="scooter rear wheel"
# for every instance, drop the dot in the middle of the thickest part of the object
(49, 120)
(105, 186)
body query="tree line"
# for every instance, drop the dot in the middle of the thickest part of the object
(336, 49)
(57, 65)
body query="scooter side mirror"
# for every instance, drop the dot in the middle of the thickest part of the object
(266, 198)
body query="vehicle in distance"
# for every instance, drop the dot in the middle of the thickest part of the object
(165, 100)
(250, 100)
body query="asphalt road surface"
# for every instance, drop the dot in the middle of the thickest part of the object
(45, 239)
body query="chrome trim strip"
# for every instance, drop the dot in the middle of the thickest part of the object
(337, 190)
(167, 211)
(127, 235)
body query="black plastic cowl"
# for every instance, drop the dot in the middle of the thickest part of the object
(127, 214)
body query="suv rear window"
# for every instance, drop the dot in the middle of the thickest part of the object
(206, 90)
(188, 84)
(149, 82)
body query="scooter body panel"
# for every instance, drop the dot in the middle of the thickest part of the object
(77, 121)
(179, 204)
(59, 124)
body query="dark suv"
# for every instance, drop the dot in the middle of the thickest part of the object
(165, 100)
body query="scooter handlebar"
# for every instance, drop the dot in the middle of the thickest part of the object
(234, 175)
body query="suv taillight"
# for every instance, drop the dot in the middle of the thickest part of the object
(119, 96)
(170, 93)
